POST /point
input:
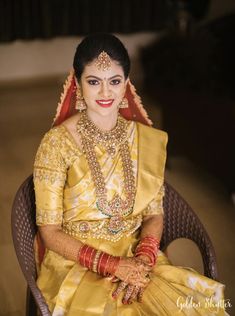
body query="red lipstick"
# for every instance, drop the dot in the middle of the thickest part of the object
(105, 103)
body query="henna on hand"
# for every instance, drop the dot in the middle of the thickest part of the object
(132, 292)
(133, 271)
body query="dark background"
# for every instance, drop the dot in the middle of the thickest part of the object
(190, 70)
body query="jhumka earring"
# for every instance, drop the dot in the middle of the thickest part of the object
(123, 104)
(80, 102)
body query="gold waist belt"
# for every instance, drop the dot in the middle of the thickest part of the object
(100, 229)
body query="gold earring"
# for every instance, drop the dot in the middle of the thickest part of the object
(80, 102)
(123, 104)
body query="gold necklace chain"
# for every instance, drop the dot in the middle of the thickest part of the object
(117, 208)
(110, 140)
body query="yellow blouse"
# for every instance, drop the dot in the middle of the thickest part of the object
(65, 193)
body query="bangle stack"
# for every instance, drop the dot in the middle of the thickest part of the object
(148, 246)
(97, 261)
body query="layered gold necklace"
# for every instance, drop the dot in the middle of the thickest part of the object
(112, 141)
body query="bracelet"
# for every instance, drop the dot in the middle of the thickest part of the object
(148, 246)
(151, 258)
(147, 251)
(100, 265)
(97, 260)
(92, 257)
(106, 266)
(112, 267)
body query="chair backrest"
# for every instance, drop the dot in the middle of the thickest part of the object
(180, 221)
(23, 232)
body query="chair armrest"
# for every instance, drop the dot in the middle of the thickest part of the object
(180, 221)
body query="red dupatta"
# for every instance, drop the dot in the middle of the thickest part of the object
(66, 106)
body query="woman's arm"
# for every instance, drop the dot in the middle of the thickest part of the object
(152, 225)
(129, 270)
(56, 240)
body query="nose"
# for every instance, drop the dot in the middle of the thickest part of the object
(105, 90)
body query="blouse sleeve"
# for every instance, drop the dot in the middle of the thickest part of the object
(49, 179)
(155, 207)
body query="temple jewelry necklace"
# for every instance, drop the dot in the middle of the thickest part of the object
(110, 140)
(91, 135)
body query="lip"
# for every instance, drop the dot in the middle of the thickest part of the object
(105, 103)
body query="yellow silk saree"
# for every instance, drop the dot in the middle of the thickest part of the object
(65, 195)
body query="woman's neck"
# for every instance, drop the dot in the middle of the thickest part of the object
(105, 123)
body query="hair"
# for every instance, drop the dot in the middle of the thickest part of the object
(92, 45)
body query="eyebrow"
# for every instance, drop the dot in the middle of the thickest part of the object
(115, 76)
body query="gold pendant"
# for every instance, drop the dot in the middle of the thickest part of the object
(116, 224)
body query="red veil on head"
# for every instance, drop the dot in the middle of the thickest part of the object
(66, 106)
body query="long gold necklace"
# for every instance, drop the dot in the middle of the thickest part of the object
(116, 139)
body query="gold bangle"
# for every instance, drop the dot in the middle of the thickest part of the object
(95, 262)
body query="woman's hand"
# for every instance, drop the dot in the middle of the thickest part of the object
(132, 292)
(133, 271)
(135, 293)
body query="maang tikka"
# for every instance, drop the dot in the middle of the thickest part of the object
(103, 61)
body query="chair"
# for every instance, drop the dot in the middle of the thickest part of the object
(23, 231)
(180, 221)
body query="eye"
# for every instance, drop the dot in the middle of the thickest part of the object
(115, 82)
(93, 82)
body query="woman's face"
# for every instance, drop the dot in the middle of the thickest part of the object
(103, 90)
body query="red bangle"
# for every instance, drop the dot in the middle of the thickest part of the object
(92, 257)
(151, 239)
(82, 255)
(143, 246)
(113, 264)
(148, 246)
(102, 263)
(97, 261)
(150, 255)
(87, 256)
(144, 250)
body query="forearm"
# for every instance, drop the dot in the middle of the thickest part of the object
(150, 237)
(152, 225)
(56, 240)
(97, 261)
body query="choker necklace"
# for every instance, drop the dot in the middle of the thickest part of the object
(113, 140)
(110, 140)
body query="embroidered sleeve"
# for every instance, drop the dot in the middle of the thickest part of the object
(49, 179)
(155, 207)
